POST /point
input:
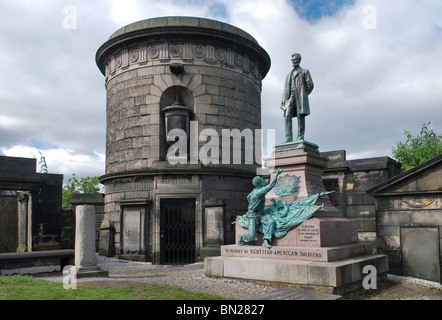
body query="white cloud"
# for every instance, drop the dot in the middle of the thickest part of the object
(125, 11)
(61, 161)
(370, 85)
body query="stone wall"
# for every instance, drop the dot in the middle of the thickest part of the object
(409, 221)
(351, 179)
(39, 213)
(8, 225)
(220, 83)
(68, 228)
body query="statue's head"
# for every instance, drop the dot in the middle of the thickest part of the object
(296, 59)
(258, 182)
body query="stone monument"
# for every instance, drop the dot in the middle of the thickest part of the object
(85, 258)
(307, 241)
(203, 78)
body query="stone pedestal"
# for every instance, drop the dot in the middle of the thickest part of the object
(315, 232)
(322, 252)
(296, 159)
(85, 258)
(336, 277)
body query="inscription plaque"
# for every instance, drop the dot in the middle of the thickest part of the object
(133, 230)
(214, 226)
(315, 254)
(308, 234)
(290, 253)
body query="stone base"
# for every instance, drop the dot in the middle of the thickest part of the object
(210, 251)
(90, 272)
(324, 254)
(296, 145)
(336, 277)
(308, 166)
(314, 232)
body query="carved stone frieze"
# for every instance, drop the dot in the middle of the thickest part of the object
(199, 51)
(418, 202)
(154, 52)
(162, 52)
(133, 56)
(176, 50)
(386, 204)
(410, 202)
(221, 55)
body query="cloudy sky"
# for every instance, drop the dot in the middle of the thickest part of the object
(376, 66)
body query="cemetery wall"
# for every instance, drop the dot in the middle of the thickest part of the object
(351, 179)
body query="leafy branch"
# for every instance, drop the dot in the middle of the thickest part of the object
(84, 185)
(418, 149)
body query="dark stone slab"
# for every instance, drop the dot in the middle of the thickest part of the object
(297, 294)
(17, 167)
(420, 253)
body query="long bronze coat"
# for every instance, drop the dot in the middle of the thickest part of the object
(298, 85)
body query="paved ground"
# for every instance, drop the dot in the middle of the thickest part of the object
(191, 277)
(404, 288)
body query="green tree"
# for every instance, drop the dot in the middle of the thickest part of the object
(84, 185)
(417, 149)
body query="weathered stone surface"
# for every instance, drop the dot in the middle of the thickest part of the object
(409, 220)
(220, 83)
(107, 235)
(315, 232)
(325, 254)
(44, 206)
(85, 259)
(8, 227)
(420, 253)
(308, 167)
(351, 179)
(85, 236)
(332, 277)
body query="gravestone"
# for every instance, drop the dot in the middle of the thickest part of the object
(107, 233)
(420, 253)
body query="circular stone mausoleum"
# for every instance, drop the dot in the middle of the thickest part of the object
(173, 197)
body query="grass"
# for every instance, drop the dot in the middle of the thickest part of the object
(21, 287)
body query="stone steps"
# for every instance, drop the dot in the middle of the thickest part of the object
(335, 277)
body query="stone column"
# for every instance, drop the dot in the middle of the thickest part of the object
(85, 258)
(24, 200)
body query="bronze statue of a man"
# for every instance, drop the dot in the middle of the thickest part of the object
(298, 85)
